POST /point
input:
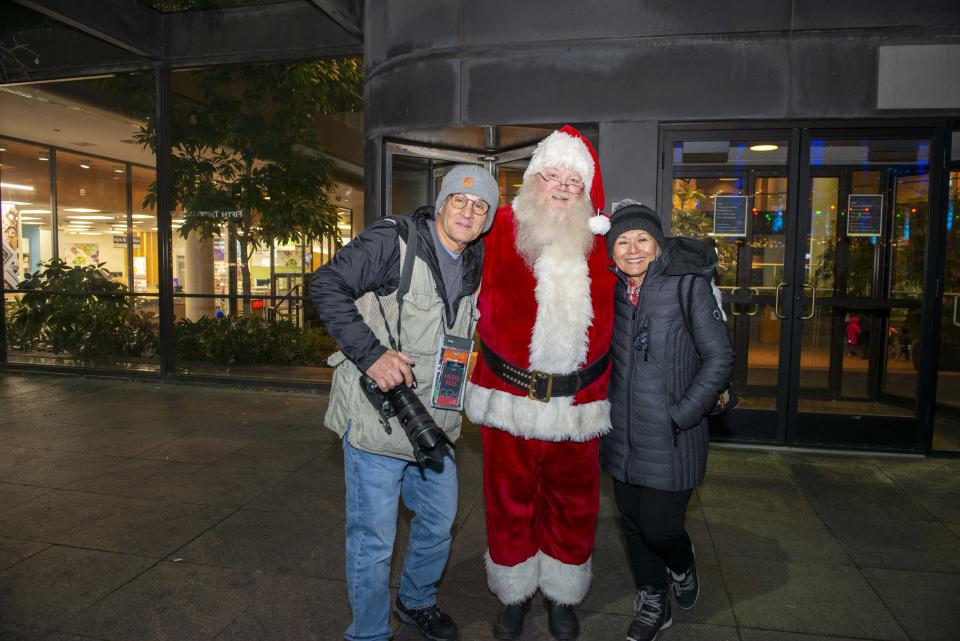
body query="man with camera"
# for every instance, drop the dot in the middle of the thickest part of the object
(400, 301)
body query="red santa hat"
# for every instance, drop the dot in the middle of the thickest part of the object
(568, 148)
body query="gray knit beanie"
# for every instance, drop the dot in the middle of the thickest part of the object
(475, 181)
(633, 216)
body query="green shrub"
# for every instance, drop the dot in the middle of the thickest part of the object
(251, 340)
(79, 310)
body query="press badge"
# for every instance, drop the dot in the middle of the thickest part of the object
(450, 374)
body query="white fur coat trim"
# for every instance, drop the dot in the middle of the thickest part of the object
(564, 312)
(562, 582)
(558, 420)
(512, 584)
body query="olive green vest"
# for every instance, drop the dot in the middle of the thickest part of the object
(422, 327)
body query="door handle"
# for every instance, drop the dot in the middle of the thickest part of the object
(813, 302)
(956, 299)
(756, 306)
(776, 302)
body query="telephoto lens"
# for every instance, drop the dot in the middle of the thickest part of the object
(428, 440)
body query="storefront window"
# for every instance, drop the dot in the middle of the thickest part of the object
(25, 213)
(91, 213)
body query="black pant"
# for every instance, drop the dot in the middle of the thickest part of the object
(652, 523)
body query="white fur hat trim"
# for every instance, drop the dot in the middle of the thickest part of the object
(562, 150)
(599, 224)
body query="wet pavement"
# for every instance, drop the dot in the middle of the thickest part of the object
(141, 511)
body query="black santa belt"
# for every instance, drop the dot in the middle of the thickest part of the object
(542, 386)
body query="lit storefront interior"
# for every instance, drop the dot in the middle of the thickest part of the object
(78, 184)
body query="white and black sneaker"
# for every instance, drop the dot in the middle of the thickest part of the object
(686, 586)
(652, 607)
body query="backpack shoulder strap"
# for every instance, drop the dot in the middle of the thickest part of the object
(686, 301)
(406, 270)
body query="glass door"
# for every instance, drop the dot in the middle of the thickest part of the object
(821, 238)
(735, 193)
(861, 267)
(946, 434)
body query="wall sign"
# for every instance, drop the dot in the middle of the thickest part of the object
(864, 214)
(730, 216)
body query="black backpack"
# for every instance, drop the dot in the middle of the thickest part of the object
(727, 399)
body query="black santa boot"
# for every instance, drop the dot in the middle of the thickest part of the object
(561, 620)
(509, 625)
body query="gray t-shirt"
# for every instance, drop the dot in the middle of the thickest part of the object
(451, 269)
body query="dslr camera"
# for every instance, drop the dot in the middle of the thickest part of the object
(429, 442)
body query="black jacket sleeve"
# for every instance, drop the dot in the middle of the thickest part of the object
(369, 263)
(712, 343)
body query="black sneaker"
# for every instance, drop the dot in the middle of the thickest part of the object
(686, 586)
(652, 608)
(433, 623)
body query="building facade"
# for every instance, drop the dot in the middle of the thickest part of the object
(816, 143)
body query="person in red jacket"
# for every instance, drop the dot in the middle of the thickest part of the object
(539, 388)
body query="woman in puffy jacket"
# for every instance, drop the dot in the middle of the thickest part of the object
(671, 359)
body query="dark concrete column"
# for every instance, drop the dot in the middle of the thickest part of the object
(630, 159)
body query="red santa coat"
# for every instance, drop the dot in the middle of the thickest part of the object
(556, 318)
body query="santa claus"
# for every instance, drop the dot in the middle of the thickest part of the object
(539, 388)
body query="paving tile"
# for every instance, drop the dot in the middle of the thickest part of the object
(172, 602)
(942, 500)
(267, 428)
(810, 598)
(295, 609)
(12, 495)
(172, 420)
(273, 455)
(861, 492)
(50, 469)
(740, 461)
(784, 537)
(766, 494)
(54, 585)
(181, 482)
(14, 632)
(905, 545)
(15, 550)
(748, 634)
(111, 523)
(75, 438)
(919, 470)
(284, 542)
(194, 449)
(927, 604)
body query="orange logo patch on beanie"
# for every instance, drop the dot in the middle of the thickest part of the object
(467, 181)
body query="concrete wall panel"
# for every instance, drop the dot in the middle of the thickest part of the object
(503, 21)
(394, 28)
(418, 95)
(872, 14)
(704, 80)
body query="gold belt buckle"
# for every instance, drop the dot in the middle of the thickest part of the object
(535, 377)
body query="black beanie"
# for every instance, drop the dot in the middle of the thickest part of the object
(634, 217)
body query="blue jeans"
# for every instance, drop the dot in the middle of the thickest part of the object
(374, 483)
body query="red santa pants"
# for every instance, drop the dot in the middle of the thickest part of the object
(542, 502)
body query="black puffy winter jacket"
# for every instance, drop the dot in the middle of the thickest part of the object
(661, 390)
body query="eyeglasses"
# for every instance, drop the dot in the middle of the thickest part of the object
(479, 207)
(574, 186)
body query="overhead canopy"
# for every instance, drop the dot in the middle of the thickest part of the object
(58, 39)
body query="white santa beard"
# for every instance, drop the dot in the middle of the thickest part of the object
(557, 241)
(540, 224)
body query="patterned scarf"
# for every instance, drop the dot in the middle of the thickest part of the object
(633, 292)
